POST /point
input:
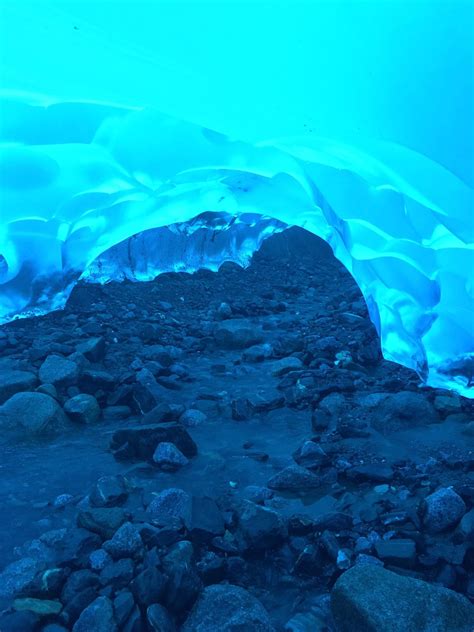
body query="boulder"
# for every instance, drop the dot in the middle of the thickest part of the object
(12, 382)
(32, 413)
(227, 608)
(83, 409)
(369, 598)
(237, 333)
(442, 509)
(58, 370)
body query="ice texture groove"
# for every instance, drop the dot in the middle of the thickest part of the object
(113, 140)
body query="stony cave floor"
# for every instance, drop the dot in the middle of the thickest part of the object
(237, 429)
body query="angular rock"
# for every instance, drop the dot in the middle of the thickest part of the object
(93, 349)
(32, 414)
(294, 478)
(369, 598)
(400, 552)
(126, 542)
(285, 365)
(58, 371)
(261, 528)
(169, 506)
(82, 409)
(168, 457)
(108, 491)
(205, 521)
(227, 608)
(101, 520)
(159, 619)
(99, 615)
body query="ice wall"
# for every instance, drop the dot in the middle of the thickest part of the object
(117, 118)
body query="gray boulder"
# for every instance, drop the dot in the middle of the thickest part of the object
(32, 413)
(368, 598)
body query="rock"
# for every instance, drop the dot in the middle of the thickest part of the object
(99, 615)
(205, 521)
(442, 510)
(32, 414)
(466, 526)
(168, 457)
(170, 505)
(227, 608)
(108, 491)
(192, 417)
(294, 478)
(123, 606)
(371, 599)
(372, 472)
(224, 311)
(83, 409)
(148, 587)
(403, 410)
(184, 584)
(257, 353)
(93, 349)
(126, 542)
(310, 455)
(142, 441)
(257, 494)
(159, 619)
(398, 552)
(118, 574)
(77, 582)
(58, 370)
(12, 382)
(102, 520)
(261, 528)
(41, 607)
(99, 559)
(236, 334)
(91, 380)
(20, 622)
(285, 365)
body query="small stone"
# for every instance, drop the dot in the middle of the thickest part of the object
(126, 542)
(170, 505)
(442, 510)
(93, 349)
(192, 417)
(108, 491)
(261, 528)
(159, 619)
(294, 478)
(168, 457)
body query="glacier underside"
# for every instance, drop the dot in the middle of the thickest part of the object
(85, 164)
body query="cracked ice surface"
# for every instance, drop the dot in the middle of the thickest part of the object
(88, 159)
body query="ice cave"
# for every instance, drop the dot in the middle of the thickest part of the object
(140, 138)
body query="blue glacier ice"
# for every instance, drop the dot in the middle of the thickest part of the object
(350, 119)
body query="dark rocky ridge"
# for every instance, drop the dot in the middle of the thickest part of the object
(290, 451)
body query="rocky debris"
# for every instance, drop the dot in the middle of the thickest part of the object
(442, 510)
(58, 371)
(226, 608)
(237, 334)
(370, 598)
(82, 409)
(32, 414)
(12, 382)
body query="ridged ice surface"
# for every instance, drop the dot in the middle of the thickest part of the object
(377, 166)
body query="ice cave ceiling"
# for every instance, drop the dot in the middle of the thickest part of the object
(351, 119)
